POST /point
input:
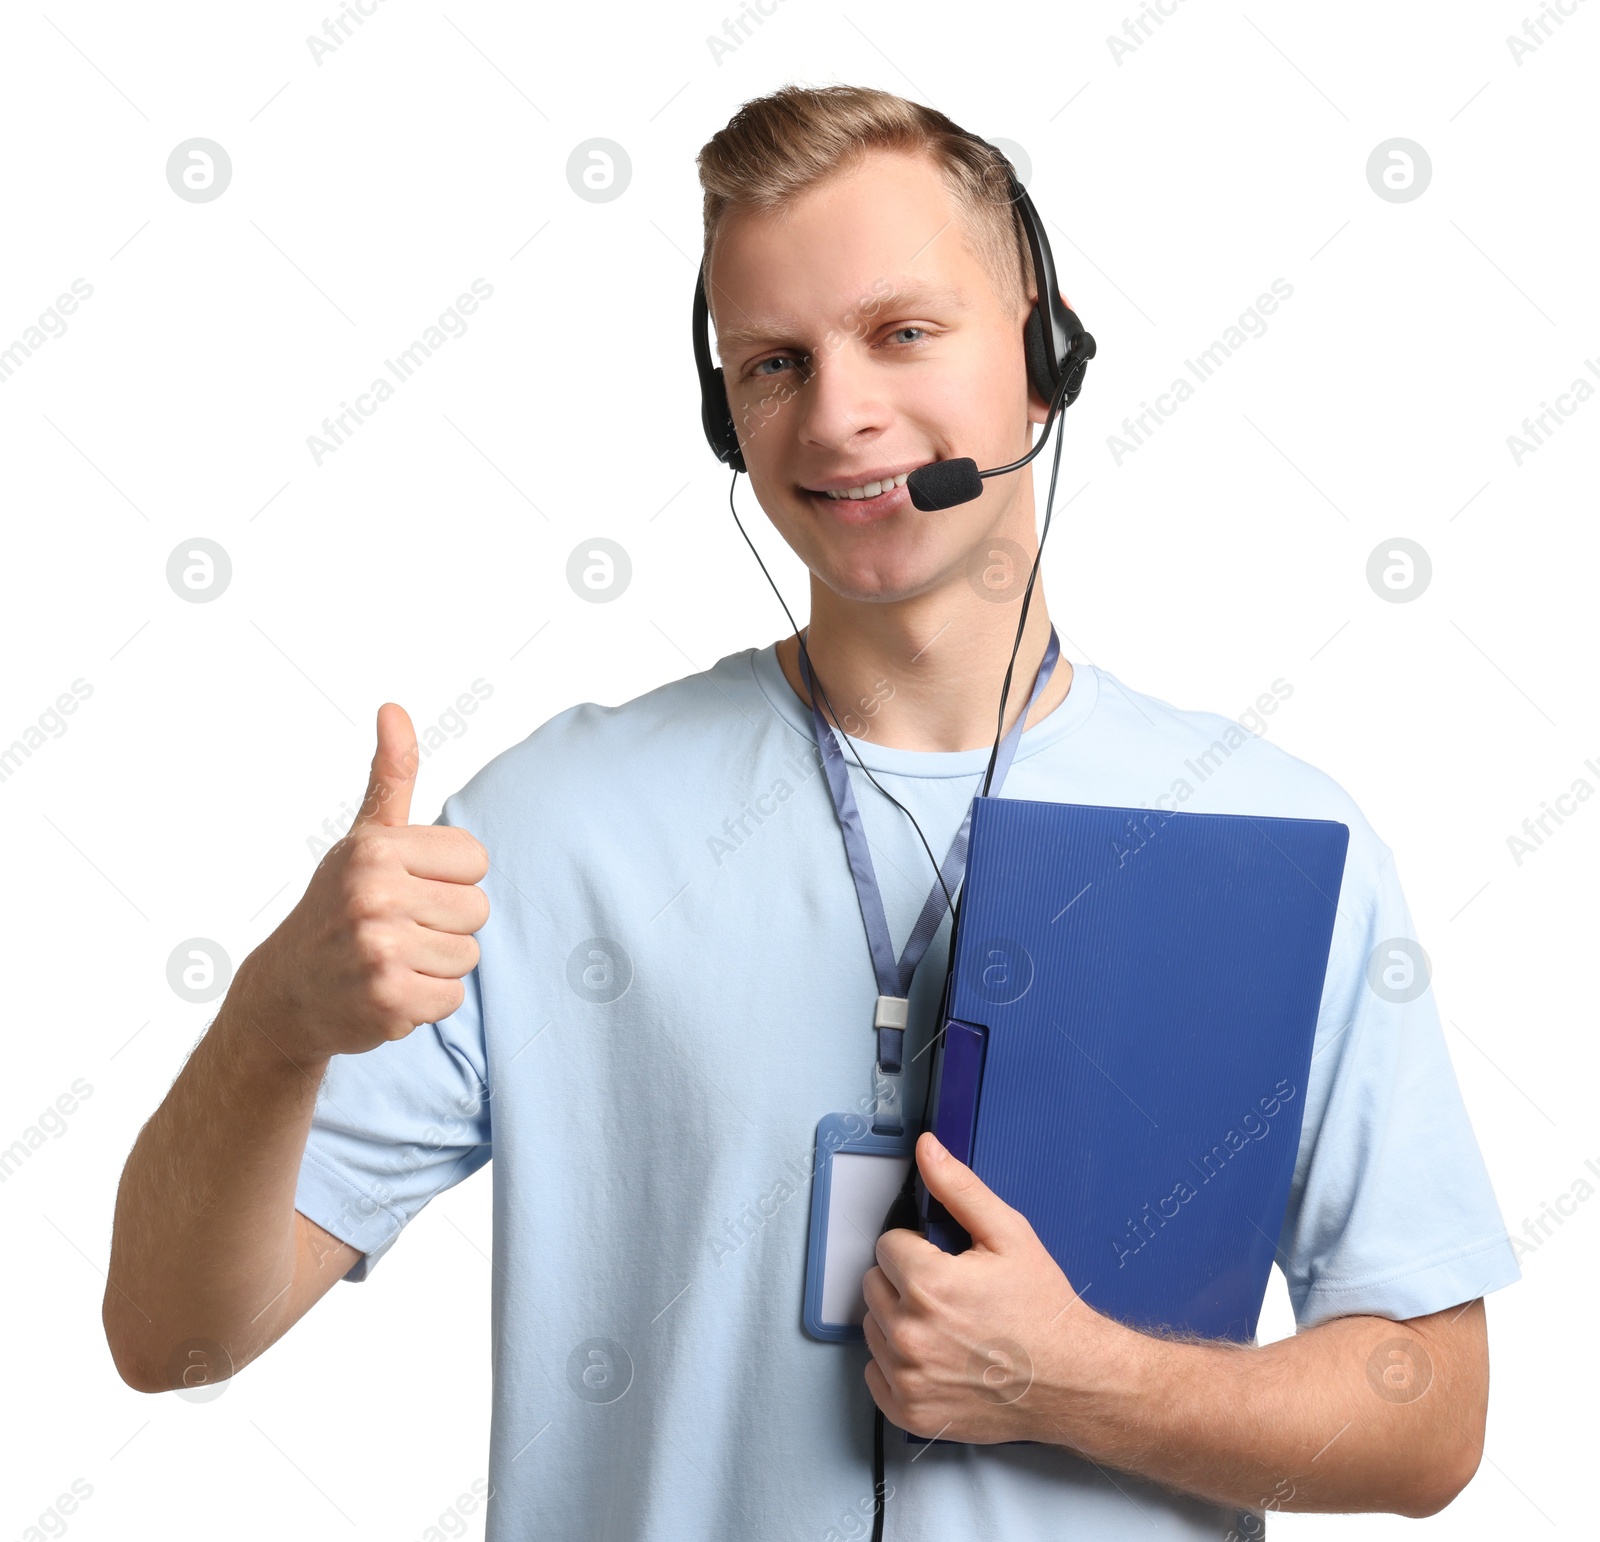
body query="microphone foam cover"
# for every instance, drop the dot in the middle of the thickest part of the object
(944, 483)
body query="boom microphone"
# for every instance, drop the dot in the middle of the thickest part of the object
(945, 483)
(942, 484)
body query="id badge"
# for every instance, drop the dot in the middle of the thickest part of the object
(855, 1177)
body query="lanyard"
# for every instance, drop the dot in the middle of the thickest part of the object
(894, 977)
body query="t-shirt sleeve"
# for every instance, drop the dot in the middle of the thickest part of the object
(395, 1126)
(1391, 1212)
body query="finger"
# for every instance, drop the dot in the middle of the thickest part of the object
(419, 998)
(878, 1344)
(394, 770)
(441, 852)
(434, 998)
(987, 1218)
(883, 1394)
(447, 907)
(442, 955)
(878, 1290)
(901, 1256)
(883, 1301)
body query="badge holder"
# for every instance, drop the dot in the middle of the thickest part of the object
(860, 1166)
(857, 1176)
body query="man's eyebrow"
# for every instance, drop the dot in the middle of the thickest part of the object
(872, 305)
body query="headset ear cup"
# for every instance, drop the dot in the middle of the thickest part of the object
(724, 436)
(1039, 374)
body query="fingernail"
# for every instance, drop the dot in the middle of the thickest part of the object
(938, 1150)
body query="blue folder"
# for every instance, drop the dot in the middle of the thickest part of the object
(1128, 1017)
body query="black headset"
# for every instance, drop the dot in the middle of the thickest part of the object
(1054, 341)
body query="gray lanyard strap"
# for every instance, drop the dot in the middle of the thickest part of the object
(894, 978)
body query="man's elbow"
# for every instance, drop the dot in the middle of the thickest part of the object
(132, 1367)
(1447, 1476)
(135, 1371)
(137, 1376)
(187, 1374)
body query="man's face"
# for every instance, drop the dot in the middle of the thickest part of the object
(860, 339)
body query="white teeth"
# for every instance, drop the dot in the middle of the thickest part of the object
(871, 489)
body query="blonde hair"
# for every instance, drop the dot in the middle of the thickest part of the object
(775, 147)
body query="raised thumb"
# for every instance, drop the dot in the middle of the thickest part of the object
(394, 770)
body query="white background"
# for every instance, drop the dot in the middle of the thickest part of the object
(1228, 150)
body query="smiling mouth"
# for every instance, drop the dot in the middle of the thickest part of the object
(854, 506)
(866, 490)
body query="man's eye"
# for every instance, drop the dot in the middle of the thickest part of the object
(761, 372)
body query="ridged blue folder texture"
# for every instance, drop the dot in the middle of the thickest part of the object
(1129, 1015)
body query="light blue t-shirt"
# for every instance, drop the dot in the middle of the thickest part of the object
(675, 986)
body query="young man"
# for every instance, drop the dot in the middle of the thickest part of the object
(670, 984)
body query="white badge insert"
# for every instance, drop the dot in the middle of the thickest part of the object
(863, 1188)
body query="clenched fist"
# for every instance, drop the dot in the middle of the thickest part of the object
(383, 934)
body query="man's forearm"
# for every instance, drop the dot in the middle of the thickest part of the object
(1359, 1413)
(203, 1242)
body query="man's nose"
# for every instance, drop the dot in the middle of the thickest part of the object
(842, 396)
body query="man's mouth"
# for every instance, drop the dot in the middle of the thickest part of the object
(872, 497)
(867, 490)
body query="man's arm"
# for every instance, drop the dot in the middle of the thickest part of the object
(210, 1262)
(1358, 1413)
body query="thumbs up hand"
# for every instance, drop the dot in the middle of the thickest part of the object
(383, 934)
(992, 1344)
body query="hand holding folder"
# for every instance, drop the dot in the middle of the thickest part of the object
(996, 1318)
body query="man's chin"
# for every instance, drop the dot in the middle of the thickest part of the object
(882, 561)
(887, 579)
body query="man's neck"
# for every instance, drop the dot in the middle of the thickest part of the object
(925, 673)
